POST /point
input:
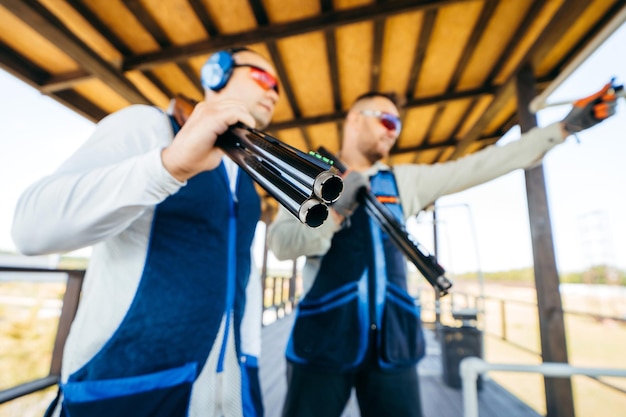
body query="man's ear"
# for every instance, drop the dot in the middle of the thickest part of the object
(352, 117)
(351, 126)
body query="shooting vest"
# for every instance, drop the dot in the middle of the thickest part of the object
(358, 304)
(196, 271)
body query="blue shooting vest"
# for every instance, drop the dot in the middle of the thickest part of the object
(359, 304)
(196, 270)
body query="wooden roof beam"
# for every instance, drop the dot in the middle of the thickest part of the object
(48, 26)
(21, 68)
(333, 69)
(505, 91)
(64, 81)
(567, 15)
(80, 105)
(562, 20)
(100, 27)
(205, 18)
(273, 32)
(420, 50)
(377, 53)
(428, 24)
(485, 15)
(412, 103)
(331, 52)
(159, 35)
(263, 21)
(487, 140)
(333, 66)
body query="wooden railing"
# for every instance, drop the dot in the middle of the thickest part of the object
(444, 309)
(279, 294)
(280, 297)
(68, 311)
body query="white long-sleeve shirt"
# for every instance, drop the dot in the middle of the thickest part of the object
(418, 185)
(105, 195)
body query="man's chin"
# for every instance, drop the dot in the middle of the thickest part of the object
(261, 122)
(383, 152)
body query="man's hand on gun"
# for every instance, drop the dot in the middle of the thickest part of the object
(591, 110)
(193, 149)
(353, 183)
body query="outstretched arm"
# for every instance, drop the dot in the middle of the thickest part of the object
(422, 184)
(288, 238)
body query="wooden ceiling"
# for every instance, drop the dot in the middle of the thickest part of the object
(453, 61)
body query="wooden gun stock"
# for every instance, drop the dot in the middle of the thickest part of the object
(183, 106)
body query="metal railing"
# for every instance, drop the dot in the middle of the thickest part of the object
(279, 297)
(279, 294)
(68, 312)
(472, 367)
(499, 327)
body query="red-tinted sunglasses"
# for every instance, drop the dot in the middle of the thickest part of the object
(262, 77)
(390, 121)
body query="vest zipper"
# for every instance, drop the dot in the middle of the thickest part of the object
(378, 281)
(230, 285)
(231, 277)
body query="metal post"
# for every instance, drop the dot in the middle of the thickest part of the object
(68, 312)
(436, 253)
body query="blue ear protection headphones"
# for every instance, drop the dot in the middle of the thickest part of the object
(217, 70)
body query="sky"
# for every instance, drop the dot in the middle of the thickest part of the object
(484, 228)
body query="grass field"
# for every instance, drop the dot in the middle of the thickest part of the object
(591, 343)
(28, 325)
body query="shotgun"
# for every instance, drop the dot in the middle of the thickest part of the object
(425, 262)
(303, 183)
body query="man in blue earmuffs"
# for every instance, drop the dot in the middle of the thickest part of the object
(171, 221)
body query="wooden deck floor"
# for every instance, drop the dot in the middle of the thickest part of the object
(438, 400)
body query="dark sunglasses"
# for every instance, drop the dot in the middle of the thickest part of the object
(262, 77)
(390, 121)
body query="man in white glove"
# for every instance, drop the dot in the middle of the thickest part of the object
(357, 327)
(353, 183)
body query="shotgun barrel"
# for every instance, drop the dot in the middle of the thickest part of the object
(312, 174)
(308, 210)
